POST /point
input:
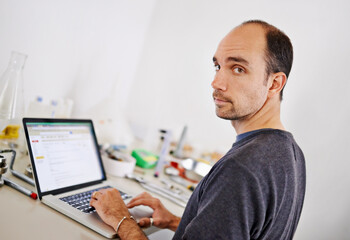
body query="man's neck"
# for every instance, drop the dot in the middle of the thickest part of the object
(267, 117)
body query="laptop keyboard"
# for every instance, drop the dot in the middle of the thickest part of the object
(81, 201)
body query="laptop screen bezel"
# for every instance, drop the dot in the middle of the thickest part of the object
(57, 120)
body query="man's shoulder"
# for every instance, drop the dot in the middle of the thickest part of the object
(265, 140)
(265, 136)
(263, 147)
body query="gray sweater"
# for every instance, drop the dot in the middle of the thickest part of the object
(256, 191)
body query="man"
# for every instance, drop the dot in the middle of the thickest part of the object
(256, 191)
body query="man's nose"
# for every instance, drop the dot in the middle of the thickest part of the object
(219, 82)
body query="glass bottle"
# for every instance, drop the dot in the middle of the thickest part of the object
(11, 99)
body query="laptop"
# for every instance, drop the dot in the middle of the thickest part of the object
(67, 168)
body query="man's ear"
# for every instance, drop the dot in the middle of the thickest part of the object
(278, 81)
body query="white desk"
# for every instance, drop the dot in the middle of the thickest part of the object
(24, 218)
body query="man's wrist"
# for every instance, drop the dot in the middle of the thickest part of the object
(129, 229)
(121, 221)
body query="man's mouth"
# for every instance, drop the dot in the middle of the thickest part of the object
(220, 100)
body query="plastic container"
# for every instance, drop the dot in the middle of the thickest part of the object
(144, 159)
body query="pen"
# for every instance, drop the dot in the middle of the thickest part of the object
(182, 182)
(20, 188)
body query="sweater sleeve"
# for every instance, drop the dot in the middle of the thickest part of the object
(231, 203)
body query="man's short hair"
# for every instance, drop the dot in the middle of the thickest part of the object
(279, 50)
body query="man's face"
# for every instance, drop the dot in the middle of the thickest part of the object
(240, 83)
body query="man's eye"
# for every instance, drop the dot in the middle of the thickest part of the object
(238, 70)
(217, 67)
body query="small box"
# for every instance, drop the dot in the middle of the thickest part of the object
(144, 158)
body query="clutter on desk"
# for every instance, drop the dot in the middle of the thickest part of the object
(180, 145)
(25, 177)
(168, 191)
(8, 182)
(195, 169)
(3, 168)
(28, 174)
(174, 167)
(144, 158)
(117, 162)
(163, 152)
(189, 169)
(20, 188)
(29, 171)
(183, 182)
(175, 160)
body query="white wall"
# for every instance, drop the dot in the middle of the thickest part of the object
(157, 55)
(80, 49)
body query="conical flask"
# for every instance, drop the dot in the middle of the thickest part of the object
(11, 98)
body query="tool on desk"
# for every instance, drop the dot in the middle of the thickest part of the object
(190, 169)
(178, 152)
(163, 153)
(3, 180)
(20, 188)
(171, 186)
(183, 182)
(18, 174)
(177, 176)
(177, 198)
(3, 168)
(15, 173)
(29, 171)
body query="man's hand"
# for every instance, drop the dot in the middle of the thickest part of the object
(111, 208)
(162, 218)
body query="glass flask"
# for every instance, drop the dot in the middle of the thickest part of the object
(11, 99)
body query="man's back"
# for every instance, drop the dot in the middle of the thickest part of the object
(255, 191)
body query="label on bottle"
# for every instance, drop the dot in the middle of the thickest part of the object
(10, 132)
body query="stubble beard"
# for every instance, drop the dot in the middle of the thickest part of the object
(235, 111)
(230, 114)
(227, 112)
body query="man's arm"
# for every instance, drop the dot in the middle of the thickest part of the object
(111, 208)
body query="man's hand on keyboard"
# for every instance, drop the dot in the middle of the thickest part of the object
(109, 206)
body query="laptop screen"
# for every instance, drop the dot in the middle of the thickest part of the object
(64, 153)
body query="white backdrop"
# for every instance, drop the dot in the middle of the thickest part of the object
(152, 60)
